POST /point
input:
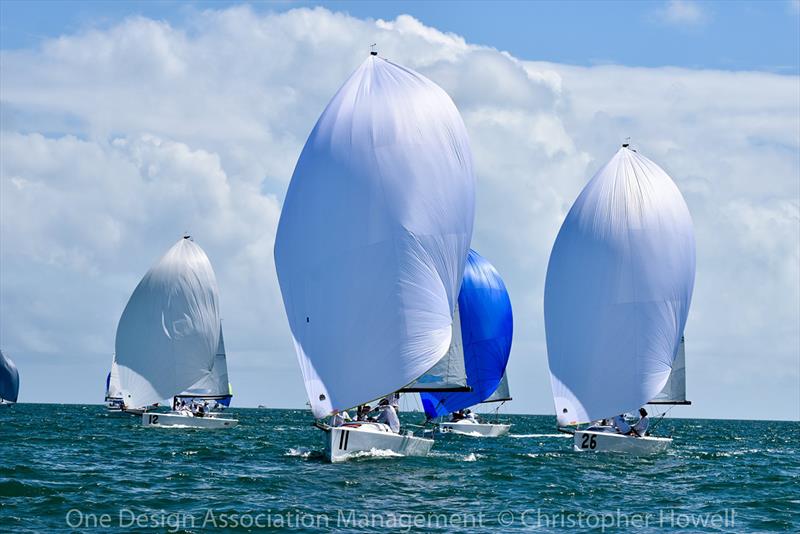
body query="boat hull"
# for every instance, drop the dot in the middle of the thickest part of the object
(343, 442)
(176, 420)
(611, 442)
(484, 430)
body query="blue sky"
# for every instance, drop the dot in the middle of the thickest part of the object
(119, 133)
(730, 35)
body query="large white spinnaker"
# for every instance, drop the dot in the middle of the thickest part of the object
(618, 289)
(168, 334)
(373, 236)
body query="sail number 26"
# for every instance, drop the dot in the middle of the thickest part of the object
(588, 442)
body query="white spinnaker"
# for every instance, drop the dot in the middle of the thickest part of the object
(449, 372)
(169, 332)
(618, 289)
(674, 391)
(114, 386)
(216, 381)
(373, 236)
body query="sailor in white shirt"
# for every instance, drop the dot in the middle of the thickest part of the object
(339, 418)
(388, 415)
(640, 428)
(620, 424)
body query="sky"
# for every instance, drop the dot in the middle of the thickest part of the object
(123, 125)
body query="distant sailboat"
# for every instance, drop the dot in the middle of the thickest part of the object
(371, 246)
(9, 380)
(619, 285)
(169, 334)
(484, 331)
(114, 401)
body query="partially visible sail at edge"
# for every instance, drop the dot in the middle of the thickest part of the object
(618, 289)
(373, 236)
(674, 391)
(9, 379)
(169, 332)
(487, 326)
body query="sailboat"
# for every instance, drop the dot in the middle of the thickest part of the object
(371, 246)
(168, 336)
(617, 295)
(113, 400)
(9, 381)
(484, 325)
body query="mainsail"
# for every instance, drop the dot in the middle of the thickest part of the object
(674, 391)
(215, 382)
(486, 332)
(9, 379)
(373, 236)
(502, 393)
(618, 289)
(113, 387)
(449, 373)
(169, 332)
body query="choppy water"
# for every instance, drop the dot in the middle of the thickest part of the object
(62, 467)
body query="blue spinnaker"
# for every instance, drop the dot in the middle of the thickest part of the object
(486, 330)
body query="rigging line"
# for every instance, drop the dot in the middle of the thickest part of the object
(661, 418)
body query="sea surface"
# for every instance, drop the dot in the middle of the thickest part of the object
(75, 468)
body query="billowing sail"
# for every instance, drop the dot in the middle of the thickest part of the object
(486, 332)
(449, 373)
(618, 289)
(674, 391)
(502, 393)
(9, 379)
(215, 382)
(373, 236)
(113, 388)
(169, 332)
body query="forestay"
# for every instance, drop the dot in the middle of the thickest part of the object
(486, 332)
(169, 332)
(9, 379)
(618, 289)
(373, 236)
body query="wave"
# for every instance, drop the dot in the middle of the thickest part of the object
(374, 453)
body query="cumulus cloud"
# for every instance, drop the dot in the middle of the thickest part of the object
(116, 141)
(683, 13)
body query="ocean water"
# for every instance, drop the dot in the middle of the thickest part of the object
(73, 468)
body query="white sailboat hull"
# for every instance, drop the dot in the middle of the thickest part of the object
(486, 430)
(4, 402)
(343, 442)
(612, 442)
(179, 420)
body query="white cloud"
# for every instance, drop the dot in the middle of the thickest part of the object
(115, 141)
(683, 13)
